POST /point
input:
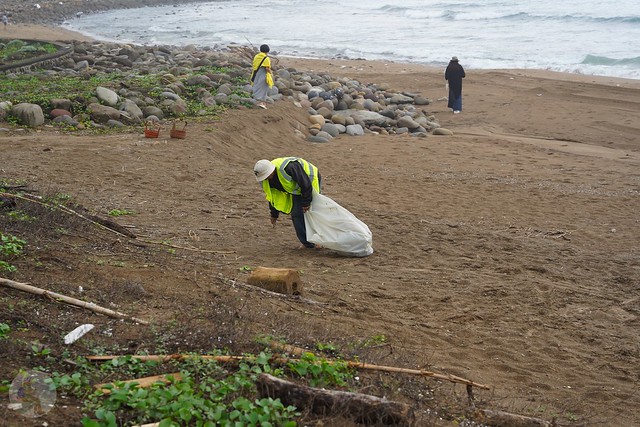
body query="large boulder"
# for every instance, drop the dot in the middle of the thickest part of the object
(28, 114)
(151, 110)
(366, 117)
(133, 112)
(442, 131)
(355, 130)
(331, 129)
(61, 103)
(401, 99)
(408, 122)
(103, 113)
(107, 96)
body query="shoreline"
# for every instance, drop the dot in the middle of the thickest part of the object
(44, 21)
(52, 32)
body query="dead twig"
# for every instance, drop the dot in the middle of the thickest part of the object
(269, 293)
(25, 287)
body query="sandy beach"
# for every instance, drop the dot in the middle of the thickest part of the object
(508, 253)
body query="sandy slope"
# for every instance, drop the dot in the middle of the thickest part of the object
(508, 253)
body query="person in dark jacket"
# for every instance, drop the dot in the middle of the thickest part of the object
(288, 184)
(454, 75)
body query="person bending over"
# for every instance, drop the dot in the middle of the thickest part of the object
(288, 184)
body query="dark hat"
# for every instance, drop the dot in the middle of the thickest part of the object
(264, 48)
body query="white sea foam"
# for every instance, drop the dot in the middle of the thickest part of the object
(597, 37)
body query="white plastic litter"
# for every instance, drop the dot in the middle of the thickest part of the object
(77, 333)
(334, 227)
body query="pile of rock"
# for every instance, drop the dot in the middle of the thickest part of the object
(336, 105)
(344, 106)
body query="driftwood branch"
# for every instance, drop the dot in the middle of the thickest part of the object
(169, 357)
(420, 372)
(363, 408)
(284, 361)
(73, 301)
(94, 220)
(297, 351)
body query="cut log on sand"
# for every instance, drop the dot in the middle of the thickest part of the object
(363, 408)
(281, 280)
(79, 303)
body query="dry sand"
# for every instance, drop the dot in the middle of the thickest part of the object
(508, 253)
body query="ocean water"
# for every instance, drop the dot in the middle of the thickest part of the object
(592, 37)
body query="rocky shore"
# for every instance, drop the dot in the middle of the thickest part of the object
(193, 81)
(50, 12)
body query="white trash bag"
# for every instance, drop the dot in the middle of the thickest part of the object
(334, 227)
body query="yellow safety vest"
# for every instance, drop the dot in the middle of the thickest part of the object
(283, 200)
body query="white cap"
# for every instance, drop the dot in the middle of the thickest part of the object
(263, 169)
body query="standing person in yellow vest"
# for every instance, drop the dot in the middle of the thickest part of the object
(288, 184)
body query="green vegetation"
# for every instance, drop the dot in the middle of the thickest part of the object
(4, 331)
(8, 183)
(10, 247)
(321, 373)
(374, 340)
(19, 215)
(40, 89)
(40, 350)
(120, 212)
(58, 198)
(205, 393)
(16, 50)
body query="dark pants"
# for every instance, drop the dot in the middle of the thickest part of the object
(455, 103)
(297, 216)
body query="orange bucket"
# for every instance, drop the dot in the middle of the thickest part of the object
(151, 130)
(178, 133)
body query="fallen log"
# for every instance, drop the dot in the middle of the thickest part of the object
(362, 408)
(506, 419)
(142, 382)
(284, 361)
(73, 301)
